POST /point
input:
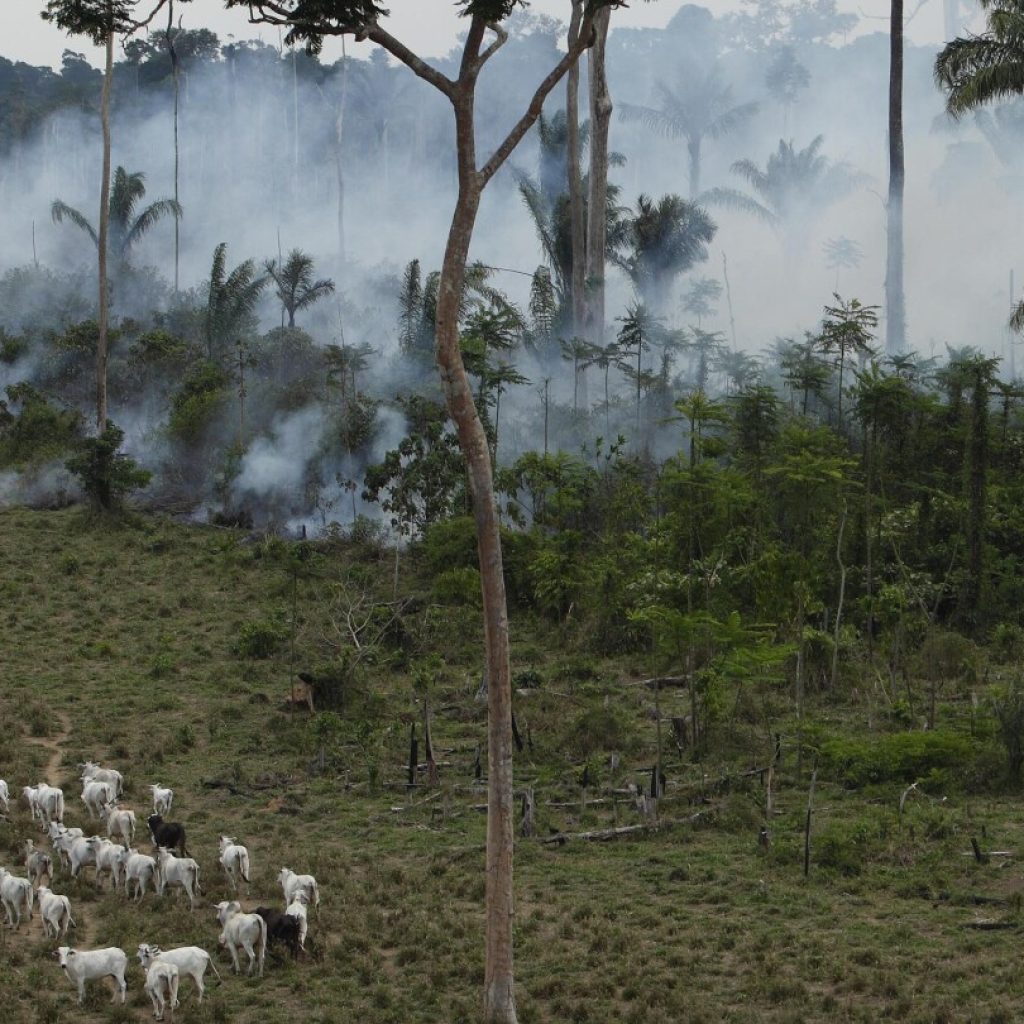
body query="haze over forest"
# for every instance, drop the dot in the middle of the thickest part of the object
(259, 171)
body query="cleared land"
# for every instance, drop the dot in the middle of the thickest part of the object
(130, 636)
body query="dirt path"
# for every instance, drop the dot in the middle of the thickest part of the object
(53, 744)
(85, 929)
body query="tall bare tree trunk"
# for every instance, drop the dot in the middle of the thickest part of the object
(104, 303)
(339, 124)
(174, 72)
(597, 204)
(895, 310)
(576, 207)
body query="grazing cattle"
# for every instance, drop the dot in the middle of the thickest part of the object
(234, 859)
(85, 965)
(92, 772)
(138, 868)
(162, 986)
(108, 858)
(162, 799)
(293, 883)
(170, 834)
(5, 797)
(190, 960)
(80, 855)
(62, 838)
(37, 864)
(297, 910)
(55, 910)
(120, 822)
(246, 930)
(16, 894)
(281, 928)
(95, 796)
(183, 871)
(45, 802)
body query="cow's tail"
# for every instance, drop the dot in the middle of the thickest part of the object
(263, 943)
(243, 865)
(213, 967)
(199, 888)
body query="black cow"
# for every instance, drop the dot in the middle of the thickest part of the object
(168, 834)
(281, 928)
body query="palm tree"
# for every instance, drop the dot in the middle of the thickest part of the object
(295, 285)
(639, 329)
(793, 181)
(701, 107)
(986, 67)
(126, 226)
(231, 307)
(666, 238)
(976, 70)
(841, 253)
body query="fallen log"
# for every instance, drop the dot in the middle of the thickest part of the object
(605, 834)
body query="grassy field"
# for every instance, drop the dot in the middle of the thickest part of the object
(123, 644)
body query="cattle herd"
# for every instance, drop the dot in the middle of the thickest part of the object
(133, 872)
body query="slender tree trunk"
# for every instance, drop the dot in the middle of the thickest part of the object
(597, 202)
(174, 72)
(499, 994)
(339, 168)
(895, 311)
(842, 596)
(693, 151)
(575, 182)
(104, 295)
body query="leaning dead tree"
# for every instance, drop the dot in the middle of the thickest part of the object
(309, 22)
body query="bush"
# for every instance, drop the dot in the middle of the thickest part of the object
(259, 639)
(458, 586)
(107, 474)
(900, 757)
(1008, 642)
(597, 730)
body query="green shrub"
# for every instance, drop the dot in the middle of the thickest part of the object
(259, 639)
(597, 730)
(108, 476)
(1008, 642)
(458, 586)
(899, 757)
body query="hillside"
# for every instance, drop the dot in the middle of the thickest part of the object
(120, 643)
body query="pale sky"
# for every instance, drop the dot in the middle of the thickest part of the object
(429, 26)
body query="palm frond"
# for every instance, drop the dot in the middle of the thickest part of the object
(735, 200)
(60, 211)
(150, 216)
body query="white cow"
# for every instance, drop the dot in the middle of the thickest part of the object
(108, 858)
(85, 965)
(95, 796)
(16, 894)
(162, 799)
(55, 910)
(234, 859)
(92, 772)
(5, 797)
(138, 868)
(80, 855)
(31, 796)
(190, 960)
(120, 822)
(246, 930)
(293, 883)
(51, 803)
(297, 909)
(37, 864)
(162, 986)
(183, 871)
(62, 838)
